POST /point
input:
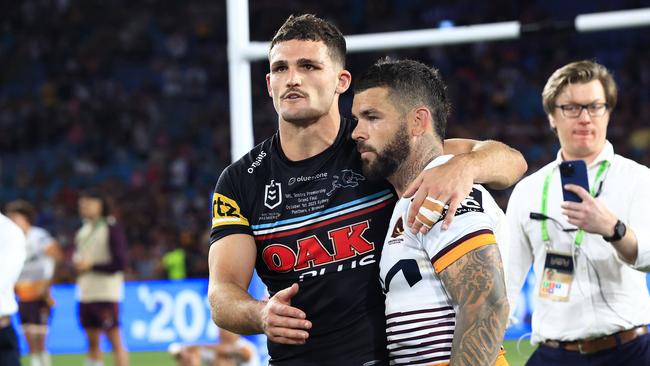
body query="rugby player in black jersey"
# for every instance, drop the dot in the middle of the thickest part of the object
(298, 210)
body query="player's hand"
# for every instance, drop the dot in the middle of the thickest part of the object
(450, 183)
(283, 323)
(82, 265)
(590, 215)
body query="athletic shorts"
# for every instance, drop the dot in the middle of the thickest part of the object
(99, 315)
(34, 312)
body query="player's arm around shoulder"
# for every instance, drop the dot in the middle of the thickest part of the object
(475, 283)
(490, 162)
(494, 163)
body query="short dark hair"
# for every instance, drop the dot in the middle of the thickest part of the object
(308, 27)
(24, 208)
(99, 195)
(410, 84)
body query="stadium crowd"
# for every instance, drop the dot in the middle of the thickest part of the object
(132, 98)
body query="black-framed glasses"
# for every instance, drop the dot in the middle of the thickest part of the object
(573, 110)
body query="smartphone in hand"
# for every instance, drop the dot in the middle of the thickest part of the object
(573, 172)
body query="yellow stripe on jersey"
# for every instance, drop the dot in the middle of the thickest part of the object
(463, 248)
(501, 360)
(225, 211)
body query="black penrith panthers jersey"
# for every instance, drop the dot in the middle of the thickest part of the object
(319, 223)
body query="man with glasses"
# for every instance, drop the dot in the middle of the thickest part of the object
(591, 306)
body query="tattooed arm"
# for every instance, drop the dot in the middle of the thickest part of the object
(476, 285)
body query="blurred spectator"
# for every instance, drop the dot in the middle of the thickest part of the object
(99, 258)
(232, 350)
(33, 286)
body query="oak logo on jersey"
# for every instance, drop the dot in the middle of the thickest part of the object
(225, 211)
(272, 194)
(347, 242)
(346, 178)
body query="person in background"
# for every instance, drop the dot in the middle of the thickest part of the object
(591, 302)
(100, 259)
(232, 350)
(33, 286)
(12, 256)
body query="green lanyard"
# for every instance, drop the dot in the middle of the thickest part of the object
(581, 233)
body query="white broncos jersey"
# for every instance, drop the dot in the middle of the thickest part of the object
(38, 265)
(420, 316)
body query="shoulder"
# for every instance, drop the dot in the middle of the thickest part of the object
(630, 166)
(10, 232)
(254, 160)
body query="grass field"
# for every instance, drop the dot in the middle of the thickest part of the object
(515, 357)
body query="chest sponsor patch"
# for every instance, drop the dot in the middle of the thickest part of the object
(225, 211)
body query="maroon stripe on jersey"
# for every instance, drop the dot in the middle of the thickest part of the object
(428, 335)
(424, 344)
(433, 326)
(422, 353)
(418, 320)
(394, 315)
(324, 223)
(453, 245)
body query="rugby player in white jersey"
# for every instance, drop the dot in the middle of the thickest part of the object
(445, 293)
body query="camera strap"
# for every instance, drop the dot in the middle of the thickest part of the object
(581, 233)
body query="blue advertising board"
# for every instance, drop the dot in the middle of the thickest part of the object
(153, 315)
(157, 313)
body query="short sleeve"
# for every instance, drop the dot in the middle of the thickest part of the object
(228, 217)
(472, 228)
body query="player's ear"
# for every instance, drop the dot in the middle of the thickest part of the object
(551, 123)
(268, 85)
(344, 81)
(421, 120)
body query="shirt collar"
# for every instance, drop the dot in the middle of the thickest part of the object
(607, 153)
(438, 160)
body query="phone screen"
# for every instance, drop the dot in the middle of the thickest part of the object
(573, 172)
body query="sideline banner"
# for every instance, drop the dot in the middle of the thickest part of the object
(157, 313)
(153, 315)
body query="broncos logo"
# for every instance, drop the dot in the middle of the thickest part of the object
(347, 178)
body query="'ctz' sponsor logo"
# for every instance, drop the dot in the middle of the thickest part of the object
(347, 178)
(315, 177)
(347, 242)
(257, 162)
(272, 194)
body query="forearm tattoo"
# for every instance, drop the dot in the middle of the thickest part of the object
(476, 285)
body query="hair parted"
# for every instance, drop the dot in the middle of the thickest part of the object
(578, 72)
(24, 208)
(308, 27)
(410, 84)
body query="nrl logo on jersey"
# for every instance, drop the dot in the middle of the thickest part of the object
(272, 194)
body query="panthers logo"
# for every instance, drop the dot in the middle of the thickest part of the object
(347, 178)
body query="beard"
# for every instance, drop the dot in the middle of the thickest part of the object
(390, 158)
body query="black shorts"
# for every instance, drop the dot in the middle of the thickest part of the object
(99, 315)
(34, 312)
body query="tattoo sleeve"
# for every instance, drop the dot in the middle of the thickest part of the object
(476, 285)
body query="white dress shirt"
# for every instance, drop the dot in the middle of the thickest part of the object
(12, 258)
(607, 295)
